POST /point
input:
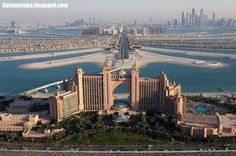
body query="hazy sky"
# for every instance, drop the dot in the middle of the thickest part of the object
(117, 10)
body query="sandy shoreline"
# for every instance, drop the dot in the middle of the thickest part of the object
(46, 55)
(193, 53)
(141, 59)
(98, 58)
(151, 58)
(193, 49)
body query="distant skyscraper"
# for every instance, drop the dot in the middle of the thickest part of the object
(82, 22)
(187, 18)
(150, 20)
(168, 23)
(193, 16)
(190, 19)
(13, 23)
(234, 23)
(201, 13)
(200, 21)
(175, 22)
(183, 19)
(196, 20)
(99, 22)
(229, 22)
(222, 22)
(90, 21)
(213, 17)
(206, 20)
(94, 23)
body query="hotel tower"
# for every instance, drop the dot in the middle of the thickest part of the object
(95, 93)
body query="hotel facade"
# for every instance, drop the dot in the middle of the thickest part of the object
(198, 125)
(95, 93)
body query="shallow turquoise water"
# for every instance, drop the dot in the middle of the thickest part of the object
(202, 109)
(15, 80)
(194, 79)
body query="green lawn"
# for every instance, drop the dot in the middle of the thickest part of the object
(39, 108)
(2, 97)
(4, 104)
(115, 137)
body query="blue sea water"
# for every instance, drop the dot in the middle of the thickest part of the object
(16, 80)
(193, 79)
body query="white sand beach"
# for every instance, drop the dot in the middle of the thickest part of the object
(193, 53)
(52, 54)
(141, 59)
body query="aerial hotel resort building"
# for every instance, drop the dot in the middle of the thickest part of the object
(208, 125)
(17, 122)
(95, 93)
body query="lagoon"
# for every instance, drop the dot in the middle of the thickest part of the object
(14, 80)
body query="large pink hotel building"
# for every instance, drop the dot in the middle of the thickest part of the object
(95, 93)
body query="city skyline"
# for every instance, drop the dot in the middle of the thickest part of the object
(117, 11)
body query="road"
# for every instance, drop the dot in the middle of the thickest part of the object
(108, 147)
(117, 153)
(123, 49)
(123, 52)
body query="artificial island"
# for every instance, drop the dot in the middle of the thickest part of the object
(85, 110)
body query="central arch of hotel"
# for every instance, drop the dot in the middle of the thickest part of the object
(122, 98)
(111, 80)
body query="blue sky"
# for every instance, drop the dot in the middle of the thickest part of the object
(117, 10)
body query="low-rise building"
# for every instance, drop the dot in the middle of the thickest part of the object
(106, 30)
(17, 122)
(208, 125)
(227, 125)
(45, 134)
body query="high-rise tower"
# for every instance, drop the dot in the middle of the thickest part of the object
(150, 21)
(187, 18)
(193, 17)
(183, 19)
